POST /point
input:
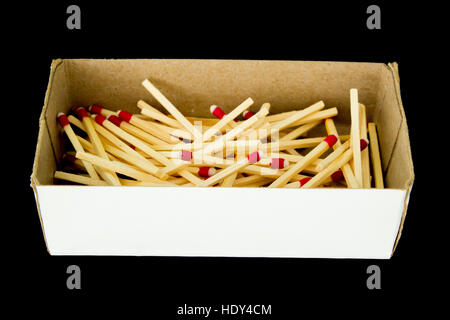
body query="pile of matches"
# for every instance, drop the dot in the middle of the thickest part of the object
(261, 150)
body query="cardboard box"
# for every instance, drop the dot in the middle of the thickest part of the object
(238, 222)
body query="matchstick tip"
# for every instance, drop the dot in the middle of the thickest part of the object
(217, 111)
(337, 175)
(303, 181)
(363, 143)
(247, 114)
(124, 115)
(331, 140)
(279, 163)
(206, 172)
(212, 108)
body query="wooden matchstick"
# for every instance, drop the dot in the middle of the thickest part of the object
(108, 176)
(227, 118)
(319, 178)
(146, 126)
(120, 167)
(64, 122)
(356, 137)
(333, 155)
(315, 153)
(346, 169)
(375, 156)
(222, 174)
(79, 179)
(171, 108)
(154, 113)
(316, 116)
(218, 143)
(364, 152)
(163, 174)
(133, 140)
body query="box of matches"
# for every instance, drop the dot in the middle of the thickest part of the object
(222, 158)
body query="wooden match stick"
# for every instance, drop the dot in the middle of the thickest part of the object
(356, 136)
(222, 174)
(364, 152)
(227, 119)
(171, 166)
(218, 143)
(333, 155)
(375, 156)
(108, 176)
(96, 109)
(101, 120)
(316, 116)
(64, 122)
(346, 169)
(120, 167)
(319, 178)
(298, 115)
(219, 113)
(132, 156)
(315, 153)
(171, 108)
(146, 126)
(154, 113)
(79, 179)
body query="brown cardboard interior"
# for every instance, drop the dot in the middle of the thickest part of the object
(193, 85)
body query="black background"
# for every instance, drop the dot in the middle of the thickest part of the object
(35, 34)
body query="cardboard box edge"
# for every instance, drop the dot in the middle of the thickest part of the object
(34, 181)
(393, 67)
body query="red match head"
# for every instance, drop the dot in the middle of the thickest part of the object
(279, 163)
(217, 111)
(81, 112)
(331, 140)
(63, 120)
(337, 175)
(185, 155)
(124, 115)
(99, 119)
(114, 119)
(254, 157)
(303, 181)
(96, 109)
(363, 143)
(247, 114)
(206, 171)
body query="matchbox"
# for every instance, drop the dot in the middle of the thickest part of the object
(292, 221)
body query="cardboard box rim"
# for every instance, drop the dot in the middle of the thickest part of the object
(392, 71)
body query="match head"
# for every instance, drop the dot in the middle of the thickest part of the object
(99, 119)
(63, 120)
(337, 175)
(331, 140)
(363, 143)
(279, 163)
(303, 181)
(254, 157)
(206, 171)
(185, 155)
(81, 112)
(217, 111)
(124, 115)
(114, 119)
(69, 157)
(247, 114)
(96, 109)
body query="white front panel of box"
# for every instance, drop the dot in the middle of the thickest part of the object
(236, 222)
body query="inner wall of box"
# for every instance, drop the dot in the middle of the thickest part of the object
(193, 85)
